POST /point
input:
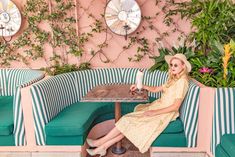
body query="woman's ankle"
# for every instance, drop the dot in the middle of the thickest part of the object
(99, 142)
(100, 148)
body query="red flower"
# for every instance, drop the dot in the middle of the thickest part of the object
(204, 70)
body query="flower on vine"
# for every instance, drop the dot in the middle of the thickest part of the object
(205, 70)
(226, 57)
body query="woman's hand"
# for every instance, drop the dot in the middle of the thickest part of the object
(133, 87)
(150, 113)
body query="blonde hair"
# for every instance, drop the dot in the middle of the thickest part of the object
(172, 78)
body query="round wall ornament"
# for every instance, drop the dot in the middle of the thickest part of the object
(122, 16)
(10, 18)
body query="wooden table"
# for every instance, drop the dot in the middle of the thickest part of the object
(115, 93)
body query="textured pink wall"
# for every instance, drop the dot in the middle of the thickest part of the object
(114, 51)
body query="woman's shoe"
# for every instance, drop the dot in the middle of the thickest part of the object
(101, 152)
(90, 142)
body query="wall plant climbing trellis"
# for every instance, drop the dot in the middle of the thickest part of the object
(213, 54)
(53, 25)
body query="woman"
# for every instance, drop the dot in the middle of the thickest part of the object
(147, 121)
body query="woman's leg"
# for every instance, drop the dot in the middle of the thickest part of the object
(111, 135)
(109, 143)
(102, 148)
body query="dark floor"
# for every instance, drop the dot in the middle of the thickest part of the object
(132, 151)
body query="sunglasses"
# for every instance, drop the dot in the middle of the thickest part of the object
(174, 65)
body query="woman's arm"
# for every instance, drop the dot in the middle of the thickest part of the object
(148, 88)
(172, 108)
(153, 89)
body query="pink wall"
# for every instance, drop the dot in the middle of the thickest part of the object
(114, 49)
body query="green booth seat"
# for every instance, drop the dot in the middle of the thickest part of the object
(220, 152)
(170, 140)
(226, 148)
(11, 117)
(223, 130)
(6, 121)
(6, 112)
(61, 119)
(72, 125)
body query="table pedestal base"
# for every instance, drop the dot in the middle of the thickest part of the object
(119, 151)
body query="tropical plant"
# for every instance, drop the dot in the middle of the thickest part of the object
(160, 63)
(217, 69)
(211, 19)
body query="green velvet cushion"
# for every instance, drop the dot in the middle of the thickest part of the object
(71, 126)
(7, 140)
(6, 112)
(66, 140)
(228, 143)
(6, 100)
(170, 140)
(174, 127)
(220, 152)
(76, 119)
(66, 123)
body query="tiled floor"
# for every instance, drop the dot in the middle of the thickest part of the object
(132, 151)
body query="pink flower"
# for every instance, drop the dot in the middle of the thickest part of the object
(204, 70)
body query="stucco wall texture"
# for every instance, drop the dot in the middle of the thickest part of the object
(114, 51)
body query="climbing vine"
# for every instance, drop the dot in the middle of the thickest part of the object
(145, 45)
(53, 23)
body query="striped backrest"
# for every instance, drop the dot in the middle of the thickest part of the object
(87, 79)
(15, 79)
(223, 118)
(50, 97)
(189, 114)
(12, 80)
(155, 78)
(3, 82)
(22, 78)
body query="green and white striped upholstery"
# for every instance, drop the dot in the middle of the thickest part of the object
(189, 114)
(12, 80)
(71, 87)
(224, 115)
(3, 82)
(86, 80)
(49, 98)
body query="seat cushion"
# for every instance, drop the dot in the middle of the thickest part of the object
(174, 127)
(75, 121)
(7, 140)
(66, 140)
(228, 143)
(77, 118)
(170, 140)
(6, 100)
(66, 123)
(220, 152)
(6, 112)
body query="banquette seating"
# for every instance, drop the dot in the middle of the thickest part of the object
(223, 132)
(61, 119)
(12, 131)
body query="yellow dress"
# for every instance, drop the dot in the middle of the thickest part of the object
(143, 130)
